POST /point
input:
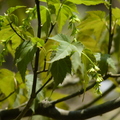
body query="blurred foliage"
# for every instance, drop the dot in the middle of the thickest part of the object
(83, 53)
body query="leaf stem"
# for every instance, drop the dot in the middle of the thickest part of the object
(88, 58)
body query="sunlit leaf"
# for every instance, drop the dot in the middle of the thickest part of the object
(87, 2)
(12, 9)
(46, 20)
(7, 84)
(63, 15)
(53, 1)
(71, 6)
(38, 41)
(116, 15)
(94, 22)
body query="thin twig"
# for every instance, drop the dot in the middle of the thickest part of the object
(7, 96)
(33, 94)
(110, 27)
(109, 74)
(16, 32)
(73, 95)
(42, 71)
(44, 85)
(51, 29)
(116, 115)
(113, 86)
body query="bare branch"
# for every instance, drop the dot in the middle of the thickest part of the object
(48, 110)
(113, 86)
(33, 94)
(16, 32)
(7, 96)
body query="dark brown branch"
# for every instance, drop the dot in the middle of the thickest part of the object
(44, 85)
(16, 32)
(109, 74)
(110, 27)
(42, 71)
(7, 96)
(112, 75)
(46, 109)
(33, 94)
(113, 86)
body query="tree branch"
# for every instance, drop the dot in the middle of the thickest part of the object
(33, 94)
(73, 95)
(16, 32)
(46, 109)
(113, 86)
(110, 27)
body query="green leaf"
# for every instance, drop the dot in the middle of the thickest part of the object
(60, 38)
(40, 42)
(65, 48)
(60, 68)
(63, 15)
(93, 24)
(12, 9)
(88, 59)
(23, 55)
(116, 15)
(43, 0)
(1, 21)
(53, 1)
(76, 56)
(76, 61)
(103, 65)
(87, 2)
(111, 63)
(29, 82)
(7, 84)
(46, 20)
(71, 6)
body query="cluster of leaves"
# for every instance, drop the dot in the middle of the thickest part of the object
(83, 52)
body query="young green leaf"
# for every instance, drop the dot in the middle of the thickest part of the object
(23, 55)
(7, 84)
(116, 15)
(60, 68)
(63, 15)
(93, 24)
(12, 9)
(87, 2)
(46, 20)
